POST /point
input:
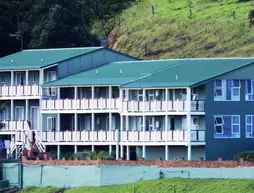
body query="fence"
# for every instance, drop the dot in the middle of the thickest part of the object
(64, 175)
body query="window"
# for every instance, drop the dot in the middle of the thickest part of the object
(194, 93)
(140, 95)
(249, 94)
(51, 91)
(227, 126)
(194, 123)
(113, 123)
(140, 123)
(51, 76)
(249, 126)
(151, 96)
(19, 79)
(183, 94)
(227, 90)
(32, 77)
(3, 78)
(151, 123)
(51, 123)
(19, 113)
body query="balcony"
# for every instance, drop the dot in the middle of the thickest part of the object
(126, 106)
(161, 106)
(14, 126)
(19, 91)
(162, 136)
(80, 136)
(81, 104)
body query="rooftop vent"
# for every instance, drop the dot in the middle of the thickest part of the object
(120, 71)
(176, 77)
(42, 60)
(96, 72)
(12, 61)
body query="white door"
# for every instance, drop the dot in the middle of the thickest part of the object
(19, 113)
(34, 117)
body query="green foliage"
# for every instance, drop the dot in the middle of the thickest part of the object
(251, 14)
(67, 155)
(248, 156)
(94, 155)
(172, 34)
(169, 186)
(33, 189)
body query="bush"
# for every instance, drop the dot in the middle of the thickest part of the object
(83, 155)
(248, 156)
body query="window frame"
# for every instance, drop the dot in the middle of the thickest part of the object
(51, 120)
(224, 91)
(249, 96)
(234, 135)
(251, 133)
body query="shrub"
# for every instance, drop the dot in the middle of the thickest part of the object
(83, 155)
(248, 156)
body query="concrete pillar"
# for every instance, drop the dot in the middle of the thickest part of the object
(75, 149)
(121, 151)
(58, 151)
(144, 152)
(75, 92)
(93, 122)
(117, 151)
(16, 152)
(166, 152)
(166, 127)
(128, 152)
(188, 121)
(144, 127)
(110, 149)
(93, 148)
(75, 124)
(127, 122)
(27, 117)
(12, 78)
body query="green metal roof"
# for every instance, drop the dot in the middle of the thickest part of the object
(154, 73)
(115, 73)
(189, 72)
(38, 58)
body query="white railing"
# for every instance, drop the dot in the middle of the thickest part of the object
(80, 136)
(13, 126)
(81, 104)
(126, 106)
(27, 90)
(162, 136)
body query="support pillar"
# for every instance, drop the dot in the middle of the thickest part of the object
(166, 152)
(121, 151)
(144, 152)
(75, 149)
(188, 121)
(110, 149)
(27, 118)
(75, 124)
(117, 151)
(128, 152)
(58, 152)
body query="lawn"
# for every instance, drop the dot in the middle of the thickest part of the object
(163, 186)
(211, 30)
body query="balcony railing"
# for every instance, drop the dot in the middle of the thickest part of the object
(126, 106)
(28, 90)
(81, 104)
(13, 126)
(80, 136)
(162, 136)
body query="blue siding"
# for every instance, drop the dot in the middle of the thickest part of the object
(88, 61)
(227, 148)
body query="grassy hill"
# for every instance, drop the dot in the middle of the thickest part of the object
(211, 30)
(163, 186)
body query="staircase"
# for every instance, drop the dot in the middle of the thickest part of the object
(30, 140)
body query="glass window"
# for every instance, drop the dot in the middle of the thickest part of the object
(3, 78)
(249, 126)
(227, 126)
(227, 90)
(249, 85)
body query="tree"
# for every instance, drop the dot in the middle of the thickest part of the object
(7, 25)
(58, 23)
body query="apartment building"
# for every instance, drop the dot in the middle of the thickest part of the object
(99, 99)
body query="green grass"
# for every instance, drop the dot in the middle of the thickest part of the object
(171, 33)
(167, 186)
